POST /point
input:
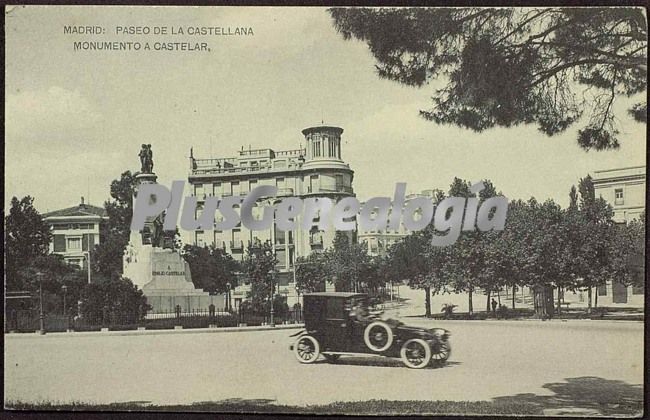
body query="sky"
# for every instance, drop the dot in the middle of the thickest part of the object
(75, 120)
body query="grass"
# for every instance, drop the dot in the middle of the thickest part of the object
(386, 407)
(505, 407)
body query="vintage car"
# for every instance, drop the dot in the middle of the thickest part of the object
(340, 323)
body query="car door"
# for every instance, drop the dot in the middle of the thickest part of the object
(336, 324)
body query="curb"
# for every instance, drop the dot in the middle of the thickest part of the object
(152, 332)
(531, 320)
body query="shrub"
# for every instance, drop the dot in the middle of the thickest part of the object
(502, 311)
(448, 310)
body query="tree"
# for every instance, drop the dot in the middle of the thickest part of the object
(507, 66)
(469, 254)
(27, 237)
(55, 273)
(628, 252)
(410, 262)
(349, 264)
(596, 228)
(212, 268)
(114, 296)
(107, 256)
(312, 273)
(261, 273)
(423, 266)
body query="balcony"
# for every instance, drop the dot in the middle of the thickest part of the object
(285, 192)
(268, 153)
(237, 245)
(341, 189)
(291, 153)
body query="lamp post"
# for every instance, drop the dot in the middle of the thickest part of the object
(41, 316)
(65, 312)
(272, 293)
(87, 255)
(65, 289)
(228, 304)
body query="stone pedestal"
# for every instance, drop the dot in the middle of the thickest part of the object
(162, 274)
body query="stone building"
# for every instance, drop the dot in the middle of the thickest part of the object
(76, 230)
(624, 189)
(318, 170)
(379, 241)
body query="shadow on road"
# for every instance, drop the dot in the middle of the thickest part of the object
(379, 362)
(584, 396)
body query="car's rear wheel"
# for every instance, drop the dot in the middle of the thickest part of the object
(332, 358)
(307, 349)
(378, 336)
(416, 353)
(441, 352)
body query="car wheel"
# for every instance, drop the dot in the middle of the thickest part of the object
(332, 358)
(378, 336)
(441, 352)
(416, 353)
(306, 349)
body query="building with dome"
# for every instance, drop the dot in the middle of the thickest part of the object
(317, 170)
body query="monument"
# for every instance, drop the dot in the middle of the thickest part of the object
(151, 262)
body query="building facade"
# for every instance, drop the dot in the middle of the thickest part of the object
(624, 189)
(75, 231)
(318, 170)
(379, 241)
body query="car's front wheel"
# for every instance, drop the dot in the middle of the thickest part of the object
(416, 353)
(306, 349)
(441, 352)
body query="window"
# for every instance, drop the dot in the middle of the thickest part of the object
(313, 183)
(235, 188)
(87, 241)
(200, 238)
(219, 238)
(339, 182)
(279, 235)
(252, 184)
(618, 196)
(334, 308)
(216, 189)
(237, 239)
(74, 244)
(279, 183)
(227, 189)
(602, 290)
(317, 146)
(59, 243)
(198, 190)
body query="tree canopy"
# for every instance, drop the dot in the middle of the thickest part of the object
(27, 237)
(212, 268)
(507, 66)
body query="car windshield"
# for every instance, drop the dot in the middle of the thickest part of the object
(360, 305)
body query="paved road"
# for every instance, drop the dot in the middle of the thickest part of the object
(490, 359)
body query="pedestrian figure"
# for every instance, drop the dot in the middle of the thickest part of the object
(494, 306)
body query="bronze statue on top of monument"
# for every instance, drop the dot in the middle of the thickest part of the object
(146, 159)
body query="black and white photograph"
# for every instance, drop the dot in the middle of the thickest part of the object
(386, 211)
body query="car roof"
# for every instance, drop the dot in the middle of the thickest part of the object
(335, 294)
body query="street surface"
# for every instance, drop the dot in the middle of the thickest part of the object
(489, 359)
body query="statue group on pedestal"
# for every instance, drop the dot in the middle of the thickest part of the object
(146, 159)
